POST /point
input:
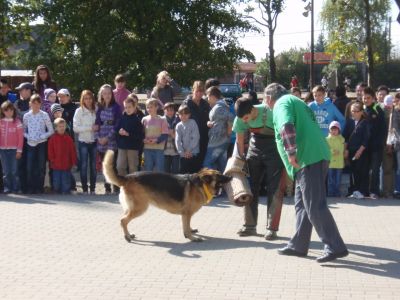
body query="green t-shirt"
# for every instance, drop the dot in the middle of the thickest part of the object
(263, 119)
(311, 144)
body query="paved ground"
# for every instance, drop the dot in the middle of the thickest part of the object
(71, 247)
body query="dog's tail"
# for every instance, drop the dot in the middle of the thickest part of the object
(109, 171)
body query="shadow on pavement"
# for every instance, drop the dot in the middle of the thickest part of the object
(209, 244)
(52, 199)
(371, 260)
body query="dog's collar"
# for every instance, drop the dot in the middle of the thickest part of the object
(209, 196)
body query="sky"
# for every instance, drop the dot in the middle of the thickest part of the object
(294, 30)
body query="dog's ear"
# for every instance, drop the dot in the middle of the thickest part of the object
(207, 178)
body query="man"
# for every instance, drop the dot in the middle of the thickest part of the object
(306, 155)
(359, 92)
(262, 160)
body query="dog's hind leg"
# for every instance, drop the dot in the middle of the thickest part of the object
(129, 216)
(187, 231)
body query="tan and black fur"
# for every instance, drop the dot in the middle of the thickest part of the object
(178, 194)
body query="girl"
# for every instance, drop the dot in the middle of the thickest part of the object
(107, 117)
(50, 97)
(165, 88)
(356, 136)
(42, 80)
(84, 126)
(11, 143)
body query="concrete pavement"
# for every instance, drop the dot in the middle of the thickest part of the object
(72, 247)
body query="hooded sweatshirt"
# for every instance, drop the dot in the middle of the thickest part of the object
(221, 116)
(325, 113)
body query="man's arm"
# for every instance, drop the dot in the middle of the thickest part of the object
(288, 135)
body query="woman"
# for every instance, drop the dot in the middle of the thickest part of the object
(43, 80)
(165, 88)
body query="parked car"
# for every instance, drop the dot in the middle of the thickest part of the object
(230, 90)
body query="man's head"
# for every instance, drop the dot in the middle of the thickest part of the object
(368, 96)
(359, 90)
(381, 93)
(273, 92)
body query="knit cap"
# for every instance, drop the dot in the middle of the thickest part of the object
(55, 108)
(47, 93)
(388, 100)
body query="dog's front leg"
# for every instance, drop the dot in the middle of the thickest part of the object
(187, 231)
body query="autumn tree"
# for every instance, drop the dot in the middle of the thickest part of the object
(355, 29)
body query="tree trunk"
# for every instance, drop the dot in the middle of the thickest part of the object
(368, 41)
(272, 65)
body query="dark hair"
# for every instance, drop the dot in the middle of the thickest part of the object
(184, 110)
(309, 97)
(3, 81)
(37, 81)
(211, 82)
(243, 106)
(295, 89)
(254, 97)
(369, 91)
(170, 105)
(6, 106)
(120, 78)
(383, 88)
(214, 91)
(340, 91)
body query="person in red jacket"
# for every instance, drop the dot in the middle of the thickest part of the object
(62, 157)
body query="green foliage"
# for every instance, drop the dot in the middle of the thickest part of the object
(86, 43)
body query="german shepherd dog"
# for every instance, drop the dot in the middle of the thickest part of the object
(178, 194)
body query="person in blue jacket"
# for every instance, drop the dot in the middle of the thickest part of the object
(325, 111)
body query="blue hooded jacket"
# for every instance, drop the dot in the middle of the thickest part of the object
(325, 113)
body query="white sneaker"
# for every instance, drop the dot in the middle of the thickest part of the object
(373, 196)
(358, 195)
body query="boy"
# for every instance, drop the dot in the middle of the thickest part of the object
(69, 109)
(187, 141)
(129, 132)
(336, 145)
(37, 129)
(120, 92)
(220, 125)
(156, 133)
(62, 157)
(171, 156)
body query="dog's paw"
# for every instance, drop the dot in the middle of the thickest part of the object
(194, 230)
(129, 237)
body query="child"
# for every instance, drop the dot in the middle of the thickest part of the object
(50, 98)
(107, 117)
(37, 129)
(155, 135)
(43, 80)
(187, 142)
(336, 144)
(84, 126)
(171, 156)
(11, 143)
(120, 91)
(220, 125)
(356, 134)
(69, 109)
(62, 157)
(130, 135)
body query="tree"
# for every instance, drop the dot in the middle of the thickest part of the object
(270, 10)
(86, 43)
(354, 28)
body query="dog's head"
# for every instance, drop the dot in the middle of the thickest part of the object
(213, 179)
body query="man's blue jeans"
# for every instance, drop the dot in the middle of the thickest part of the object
(10, 170)
(216, 157)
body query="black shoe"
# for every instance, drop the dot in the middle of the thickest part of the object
(247, 232)
(290, 252)
(332, 256)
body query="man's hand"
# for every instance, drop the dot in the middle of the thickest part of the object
(293, 161)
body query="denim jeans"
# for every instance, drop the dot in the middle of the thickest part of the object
(62, 181)
(10, 170)
(216, 157)
(36, 167)
(334, 180)
(87, 155)
(375, 168)
(153, 160)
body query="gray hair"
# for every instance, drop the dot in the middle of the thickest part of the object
(275, 91)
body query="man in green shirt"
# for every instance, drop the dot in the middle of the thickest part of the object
(306, 156)
(262, 160)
